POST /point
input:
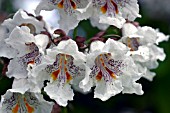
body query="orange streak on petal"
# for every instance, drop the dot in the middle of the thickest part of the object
(73, 4)
(15, 109)
(29, 108)
(116, 7)
(104, 8)
(54, 74)
(111, 73)
(69, 77)
(31, 62)
(61, 4)
(99, 76)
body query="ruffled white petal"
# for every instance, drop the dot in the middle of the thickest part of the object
(60, 94)
(18, 38)
(21, 17)
(161, 37)
(16, 69)
(104, 90)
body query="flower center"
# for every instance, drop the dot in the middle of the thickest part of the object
(21, 103)
(109, 7)
(63, 68)
(68, 5)
(106, 68)
(32, 57)
(133, 43)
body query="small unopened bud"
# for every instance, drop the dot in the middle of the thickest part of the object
(81, 42)
(60, 32)
(80, 39)
(56, 41)
(40, 18)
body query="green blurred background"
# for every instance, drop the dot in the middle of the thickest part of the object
(156, 98)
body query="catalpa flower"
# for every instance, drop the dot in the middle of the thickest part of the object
(30, 50)
(14, 102)
(110, 70)
(63, 65)
(142, 43)
(21, 18)
(70, 11)
(114, 12)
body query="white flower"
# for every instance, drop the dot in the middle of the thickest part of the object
(29, 48)
(142, 43)
(21, 18)
(110, 70)
(70, 11)
(63, 65)
(114, 12)
(14, 102)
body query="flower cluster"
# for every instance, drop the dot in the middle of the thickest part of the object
(48, 62)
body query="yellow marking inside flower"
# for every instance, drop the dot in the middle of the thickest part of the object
(54, 74)
(31, 62)
(107, 69)
(15, 109)
(104, 9)
(65, 56)
(68, 76)
(61, 4)
(99, 76)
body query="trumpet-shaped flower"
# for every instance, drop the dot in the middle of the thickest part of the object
(63, 65)
(14, 102)
(114, 12)
(70, 11)
(110, 70)
(142, 43)
(30, 49)
(21, 18)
